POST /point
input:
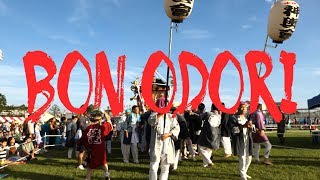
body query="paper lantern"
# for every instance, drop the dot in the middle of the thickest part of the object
(1, 55)
(178, 10)
(283, 18)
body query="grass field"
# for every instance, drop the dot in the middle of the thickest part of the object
(288, 164)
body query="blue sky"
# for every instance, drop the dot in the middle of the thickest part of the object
(139, 28)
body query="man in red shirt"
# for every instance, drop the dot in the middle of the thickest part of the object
(93, 140)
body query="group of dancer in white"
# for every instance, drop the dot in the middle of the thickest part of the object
(167, 137)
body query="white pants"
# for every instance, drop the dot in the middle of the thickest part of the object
(134, 151)
(109, 146)
(244, 163)
(206, 155)
(256, 150)
(176, 160)
(226, 142)
(153, 172)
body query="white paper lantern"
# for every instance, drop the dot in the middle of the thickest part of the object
(283, 18)
(1, 55)
(178, 10)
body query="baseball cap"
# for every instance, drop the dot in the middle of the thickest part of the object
(96, 115)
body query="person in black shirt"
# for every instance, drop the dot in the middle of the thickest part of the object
(226, 134)
(281, 129)
(183, 135)
(146, 129)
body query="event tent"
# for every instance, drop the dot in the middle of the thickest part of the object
(314, 102)
(11, 119)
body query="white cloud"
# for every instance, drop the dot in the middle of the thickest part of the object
(302, 71)
(3, 8)
(15, 72)
(129, 74)
(253, 18)
(217, 49)
(316, 72)
(246, 26)
(65, 39)
(80, 11)
(91, 31)
(15, 95)
(196, 34)
(240, 57)
(115, 2)
(269, 1)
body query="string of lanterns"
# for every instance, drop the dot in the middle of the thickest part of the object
(282, 21)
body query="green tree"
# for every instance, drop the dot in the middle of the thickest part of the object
(90, 108)
(3, 102)
(55, 110)
(23, 109)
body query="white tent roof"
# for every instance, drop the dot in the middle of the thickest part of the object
(45, 117)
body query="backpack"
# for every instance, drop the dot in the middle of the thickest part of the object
(78, 134)
(213, 117)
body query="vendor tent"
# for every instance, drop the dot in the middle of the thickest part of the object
(45, 117)
(3, 119)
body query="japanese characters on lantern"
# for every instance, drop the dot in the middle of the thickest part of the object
(178, 10)
(1, 55)
(282, 20)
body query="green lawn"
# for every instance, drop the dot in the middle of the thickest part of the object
(288, 164)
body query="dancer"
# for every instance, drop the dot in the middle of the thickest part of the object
(94, 142)
(162, 148)
(209, 138)
(131, 135)
(260, 137)
(242, 143)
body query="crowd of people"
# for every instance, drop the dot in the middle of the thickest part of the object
(169, 138)
(18, 146)
(166, 138)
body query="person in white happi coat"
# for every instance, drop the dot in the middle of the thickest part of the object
(209, 138)
(162, 150)
(242, 142)
(130, 131)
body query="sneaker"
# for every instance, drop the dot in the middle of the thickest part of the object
(185, 158)
(126, 162)
(248, 177)
(107, 174)
(267, 162)
(81, 167)
(173, 168)
(136, 162)
(227, 155)
(208, 165)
